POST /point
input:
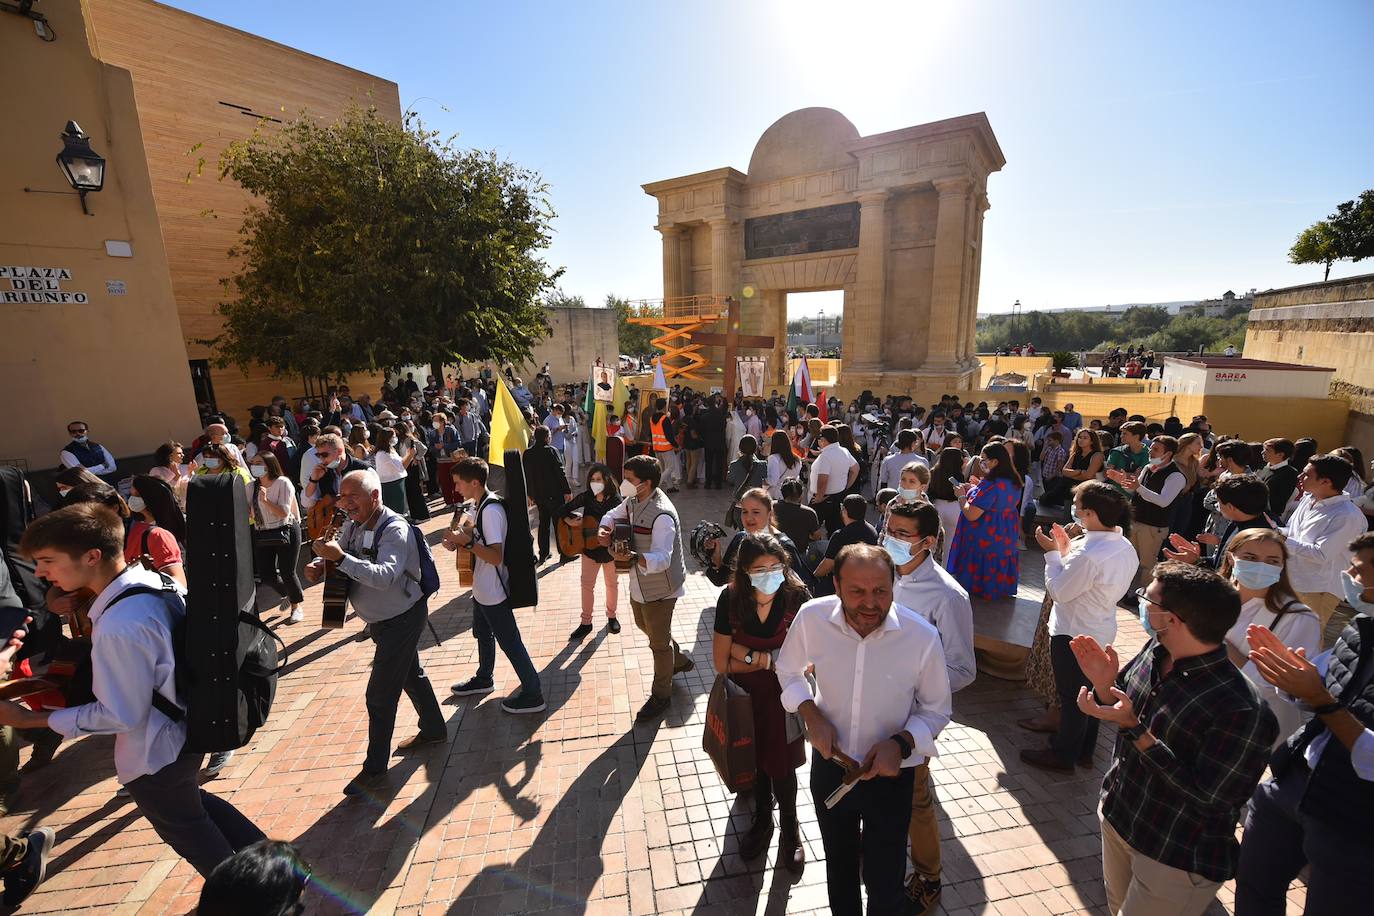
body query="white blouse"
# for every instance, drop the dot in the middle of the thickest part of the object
(389, 467)
(1298, 627)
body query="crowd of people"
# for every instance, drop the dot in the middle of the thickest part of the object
(857, 543)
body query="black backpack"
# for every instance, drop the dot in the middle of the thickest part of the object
(254, 688)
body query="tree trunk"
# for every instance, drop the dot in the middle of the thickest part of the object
(1327, 275)
(436, 369)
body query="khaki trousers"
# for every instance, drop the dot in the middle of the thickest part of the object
(1147, 539)
(924, 830)
(1322, 603)
(655, 619)
(1140, 886)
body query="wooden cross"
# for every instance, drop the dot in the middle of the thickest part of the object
(732, 340)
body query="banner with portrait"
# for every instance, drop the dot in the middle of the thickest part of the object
(751, 372)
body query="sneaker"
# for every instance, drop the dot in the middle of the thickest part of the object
(653, 708)
(21, 880)
(924, 893)
(218, 761)
(473, 685)
(580, 633)
(297, 615)
(524, 703)
(613, 625)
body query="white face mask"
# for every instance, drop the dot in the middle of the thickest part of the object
(628, 490)
(597, 487)
(257, 470)
(136, 504)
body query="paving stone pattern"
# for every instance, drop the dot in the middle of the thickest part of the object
(573, 811)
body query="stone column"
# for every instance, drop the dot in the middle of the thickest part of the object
(723, 280)
(970, 350)
(863, 322)
(951, 250)
(684, 261)
(672, 261)
(775, 300)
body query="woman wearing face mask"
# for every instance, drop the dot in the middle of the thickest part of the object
(601, 496)
(783, 463)
(756, 517)
(159, 528)
(752, 617)
(982, 555)
(949, 464)
(391, 470)
(412, 450)
(912, 485)
(216, 459)
(276, 529)
(1255, 563)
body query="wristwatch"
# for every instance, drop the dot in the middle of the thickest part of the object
(1326, 709)
(749, 657)
(1134, 733)
(908, 746)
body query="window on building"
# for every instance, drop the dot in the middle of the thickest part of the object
(204, 388)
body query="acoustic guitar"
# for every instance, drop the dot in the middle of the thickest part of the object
(576, 534)
(320, 517)
(336, 584)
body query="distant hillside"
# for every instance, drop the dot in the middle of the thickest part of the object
(1152, 326)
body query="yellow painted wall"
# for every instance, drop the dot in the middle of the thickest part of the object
(117, 361)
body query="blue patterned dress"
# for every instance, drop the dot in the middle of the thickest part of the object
(983, 556)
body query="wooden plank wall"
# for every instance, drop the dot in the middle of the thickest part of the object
(183, 66)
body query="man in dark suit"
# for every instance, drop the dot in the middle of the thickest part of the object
(1278, 475)
(546, 486)
(712, 429)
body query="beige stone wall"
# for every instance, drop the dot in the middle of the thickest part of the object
(577, 337)
(116, 361)
(184, 67)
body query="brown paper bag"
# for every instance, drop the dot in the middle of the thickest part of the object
(729, 736)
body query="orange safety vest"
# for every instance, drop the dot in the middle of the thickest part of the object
(660, 441)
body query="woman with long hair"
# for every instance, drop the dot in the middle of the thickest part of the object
(412, 450)
(756, 517)
(783, 463)
(983, 555)
(68, 479)
(358, 445)
(753, 614)
(947, 474)
(1189, 461)
(600, 496)
(168, 462)
(391, 470)
(1256, 563)
(276, 529)
(159, 528)
(216, 459)
(1360, 478)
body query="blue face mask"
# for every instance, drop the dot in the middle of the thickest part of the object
(767, 582)
(1073, 512)
(909, 496)
(81, 440)
(899, 551)
(1256, 575)
(1354, 595)
(1145, 618)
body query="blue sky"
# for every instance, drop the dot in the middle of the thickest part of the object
(1155, 152)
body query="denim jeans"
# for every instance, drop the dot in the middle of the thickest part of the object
(396, 668)
(495, 623)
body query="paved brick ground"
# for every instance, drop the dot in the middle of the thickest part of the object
(573, 811)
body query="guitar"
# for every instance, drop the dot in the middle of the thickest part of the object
(463, 558)
(320, 517)
(336, 584)
(576, 534)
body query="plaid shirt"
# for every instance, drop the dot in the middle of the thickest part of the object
(1179, 801)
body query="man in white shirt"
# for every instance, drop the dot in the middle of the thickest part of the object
(910, 448)
(1316, 534)
(833, 472)
(923, 585)
(882, 697)
(1085, 578)
(81, 452)
(132, 658)
(657, 574)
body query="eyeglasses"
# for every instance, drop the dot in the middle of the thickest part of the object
(1140, 593)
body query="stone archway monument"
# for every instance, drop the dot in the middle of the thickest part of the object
(895, 220)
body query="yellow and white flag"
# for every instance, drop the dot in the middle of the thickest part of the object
(619, 397)
(508, 426)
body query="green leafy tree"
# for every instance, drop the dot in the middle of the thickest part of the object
(1141, 321)
(561, 300)
(634, 338)
(376, 245)
(1317, 244)
(1353, 224)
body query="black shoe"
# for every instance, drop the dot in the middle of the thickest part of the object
(543, 559)
(791, 853)
(924, 894)
(760, 836)
(524, 703)
(1045, 759)
(365, 783)
(471, 686)
(653, 708)
(613, 625)
(580, 633)
(685, 664)
(421, 740)
(21, 880)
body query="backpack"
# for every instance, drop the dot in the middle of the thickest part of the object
(255, 685)
(428, 578)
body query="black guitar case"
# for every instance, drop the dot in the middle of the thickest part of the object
(226, 672)
(522, 583)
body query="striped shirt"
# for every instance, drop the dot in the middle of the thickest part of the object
(1178, 801)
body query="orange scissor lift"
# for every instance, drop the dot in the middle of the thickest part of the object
(681, 320)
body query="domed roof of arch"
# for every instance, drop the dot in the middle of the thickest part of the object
(807, 140)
